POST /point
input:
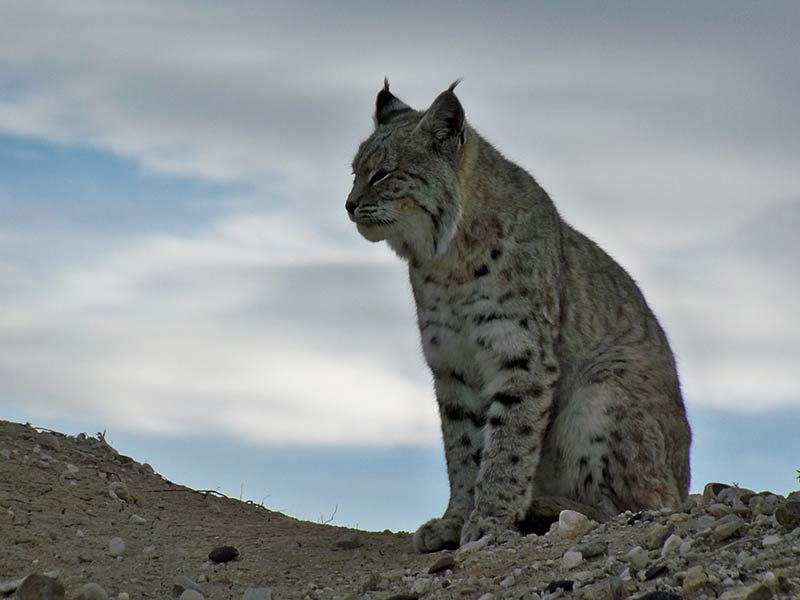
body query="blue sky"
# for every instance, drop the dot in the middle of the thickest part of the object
(176, 266)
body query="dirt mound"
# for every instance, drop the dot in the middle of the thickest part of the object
(75, 510)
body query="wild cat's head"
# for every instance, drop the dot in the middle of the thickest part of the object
(406, 189)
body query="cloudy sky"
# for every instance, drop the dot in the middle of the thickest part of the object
(177, 268)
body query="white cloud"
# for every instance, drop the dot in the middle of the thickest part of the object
(234, 331)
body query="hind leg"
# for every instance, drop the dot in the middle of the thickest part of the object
(614, 453)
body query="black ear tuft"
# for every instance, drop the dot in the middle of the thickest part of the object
(445, 118)
(387, 105)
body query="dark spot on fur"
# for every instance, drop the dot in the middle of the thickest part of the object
(520, 362)
(496, 421)
(456, 376)
(523, 323)
(584, 462)
(513, 480)
(588, 481)
(482, 271)
(514, 459)
(525, 430)
(465, 441)
(506, 399)
(434, 341)
(495, 254)
(478, 320)
(597, 439)
(476, 457)
(536, 391)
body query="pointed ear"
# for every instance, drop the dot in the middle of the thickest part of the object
(387, 105)
(445, 118)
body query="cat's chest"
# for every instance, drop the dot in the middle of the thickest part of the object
(449, 317)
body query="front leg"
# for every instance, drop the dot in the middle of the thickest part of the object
(459, 409)
(522, 372)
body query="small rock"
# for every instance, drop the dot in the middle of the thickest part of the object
(656, 537)
(508, 581)
(40, 587)
(119, 491)
(719, 510)
(448, 561)
(656, 570)
(123, 596)
(257, 593)
(685, 548)
(116, 547)
(788, 514)
(91, 591)
(637, 557)
(711, 490)
(223, 554)
(758, 591)
(136, 520)
(181, 583)
(770, 540)
(694, 579)
(592, 549)
(573, 524)
(475, 545)
(726, 527)
(191, 595)
(348, 540)
(9, 585)
(49, 441)
(421, 586)
(486, 596)
(571, 559)
(671, 545)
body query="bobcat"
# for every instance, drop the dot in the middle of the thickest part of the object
(552, 375)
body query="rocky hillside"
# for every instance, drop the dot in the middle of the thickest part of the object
(79, 520)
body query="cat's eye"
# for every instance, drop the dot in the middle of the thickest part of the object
(379, 175)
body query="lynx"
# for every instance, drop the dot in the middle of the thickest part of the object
(552, 375)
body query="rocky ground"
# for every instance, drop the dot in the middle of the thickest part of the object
(79, 520)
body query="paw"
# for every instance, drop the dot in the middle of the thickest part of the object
(479, 525)
(438, 534)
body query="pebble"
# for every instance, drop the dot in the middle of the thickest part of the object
(711, 490)
(191, 595)
(119, 491)
(92, 591)
(694, 579)
(257, 593)
(9, 585)
(448, 561)
(656, 537)
(116, 547)
(637, 557)
(726, 527)
(181, 583)
(40, 587)
(573, 524)
(754, 592)
(571, 559)
(475, 545)
(123, 596)
(223, 554)
(788, 514)
(770, 540)
(592, 549)
(671, 545)
(348, 540)
(137, 520)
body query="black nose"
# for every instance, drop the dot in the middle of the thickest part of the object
(350, 206)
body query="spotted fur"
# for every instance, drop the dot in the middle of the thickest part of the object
(552, 375)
